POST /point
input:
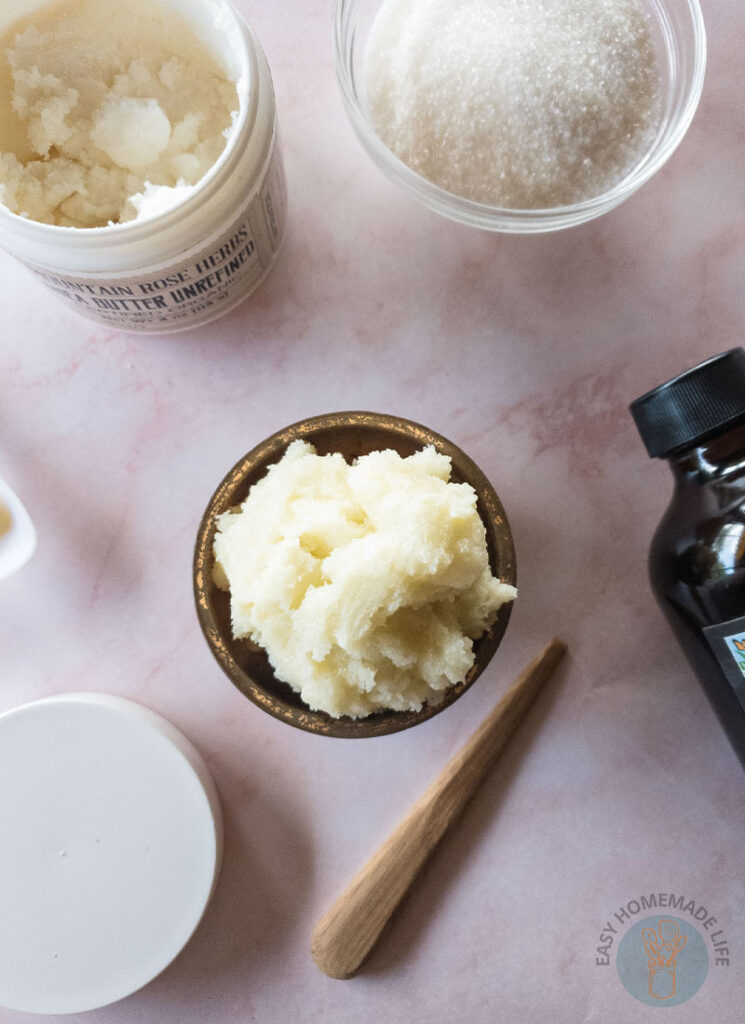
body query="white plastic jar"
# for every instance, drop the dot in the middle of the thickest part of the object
(185, 266)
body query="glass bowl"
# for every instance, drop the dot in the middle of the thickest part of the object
(680, 40)
(353, 434)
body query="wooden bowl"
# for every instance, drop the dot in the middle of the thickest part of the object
(353, 434)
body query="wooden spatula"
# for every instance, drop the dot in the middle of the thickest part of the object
(346, 934)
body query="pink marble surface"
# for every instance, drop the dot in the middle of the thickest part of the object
(525, 351)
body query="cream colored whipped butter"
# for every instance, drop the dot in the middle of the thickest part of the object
(139, 171)
(367, 583)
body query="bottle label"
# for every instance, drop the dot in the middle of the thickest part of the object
(727, 641)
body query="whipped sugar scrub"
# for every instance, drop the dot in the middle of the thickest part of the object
(366, 584)
(140, 175)
(520, 104)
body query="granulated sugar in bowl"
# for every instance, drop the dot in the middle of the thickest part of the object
(520, 115)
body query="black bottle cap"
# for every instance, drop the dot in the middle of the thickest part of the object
(692, 406)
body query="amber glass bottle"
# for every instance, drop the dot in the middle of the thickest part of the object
(697, 560)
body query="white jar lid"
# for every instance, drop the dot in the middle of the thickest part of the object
(110, 846)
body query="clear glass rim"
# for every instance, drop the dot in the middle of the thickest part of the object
(518, 221)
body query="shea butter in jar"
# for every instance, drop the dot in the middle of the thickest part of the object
(140, 174)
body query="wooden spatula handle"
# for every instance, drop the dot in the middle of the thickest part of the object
(346, 934)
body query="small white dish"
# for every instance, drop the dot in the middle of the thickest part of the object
(110, 849)
(17, 532)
